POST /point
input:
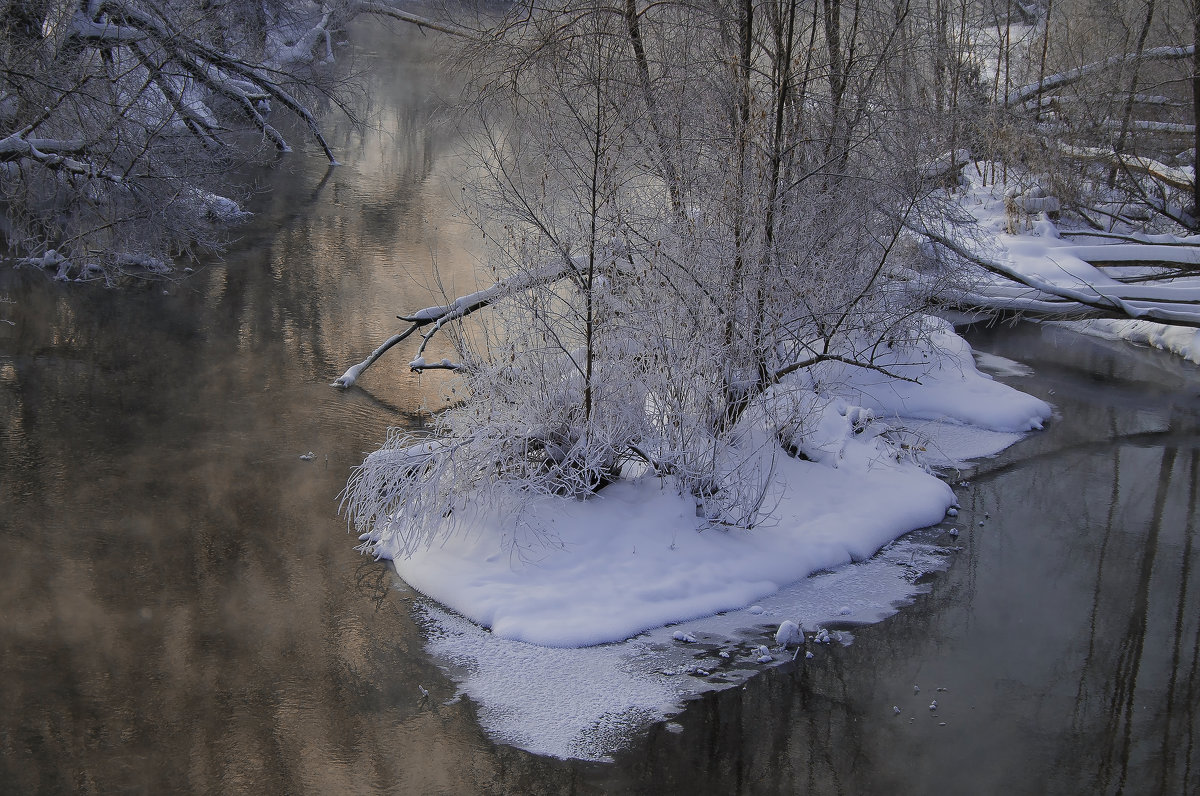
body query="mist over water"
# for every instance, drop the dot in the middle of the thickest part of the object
(181, 609)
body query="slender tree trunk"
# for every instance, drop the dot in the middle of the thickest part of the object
(956, 84)
(1195, 212)
(1127, 113)
(837, 77)
(589, 328)
(661, 142)
(785, 31)
(735, 325)
(1042, 61)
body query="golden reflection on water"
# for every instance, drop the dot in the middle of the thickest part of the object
(182, 608)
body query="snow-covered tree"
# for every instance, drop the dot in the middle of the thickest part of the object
(698, 213)
(690, 208)
(120, 120)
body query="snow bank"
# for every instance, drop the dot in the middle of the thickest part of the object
(586, 703)
(1179, 340)
(946, 386)
(632, 558)
(561, 572)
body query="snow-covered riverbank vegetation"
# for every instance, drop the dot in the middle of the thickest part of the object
(706, 314)
(1074, 150)
(121, 121)
(1121, 282)
(714, 237)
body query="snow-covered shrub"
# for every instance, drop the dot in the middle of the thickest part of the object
(714, 240)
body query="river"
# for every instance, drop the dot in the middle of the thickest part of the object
(181, 609)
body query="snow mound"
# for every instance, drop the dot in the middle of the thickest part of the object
(561, 572)
(944, 385)
(789, 634)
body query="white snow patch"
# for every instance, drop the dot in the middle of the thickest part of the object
(588, 703)
(789, 633)
(632, 558)
(946, 386)
(1001, 366)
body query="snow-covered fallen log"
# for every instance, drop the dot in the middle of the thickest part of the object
(104, 34)
(1071, 76)
(1143, 253)
(1178, 305)
(946, 164)
(1038, 270)
(1150, 126)
(1182, 342)
(1180, 178)
(1133, 237)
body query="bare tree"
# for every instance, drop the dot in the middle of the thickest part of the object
(687, 211)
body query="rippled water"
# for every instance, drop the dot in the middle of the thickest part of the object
(181, 609)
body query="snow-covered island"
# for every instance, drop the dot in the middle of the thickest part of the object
(562, 572)
(572, 623)
(570, 617)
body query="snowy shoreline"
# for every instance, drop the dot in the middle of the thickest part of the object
(573, 624)
(669, 609)
(1178, 340)
(1082, 262)
(560, 572)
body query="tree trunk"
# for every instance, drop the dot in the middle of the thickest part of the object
(1195, 209)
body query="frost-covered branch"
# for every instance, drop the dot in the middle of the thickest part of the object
(440, 315)
(856, 362)
(351, 375)
(54, 155)
(384, 9)
(222, 72)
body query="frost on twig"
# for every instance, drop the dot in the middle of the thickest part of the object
(438, 316)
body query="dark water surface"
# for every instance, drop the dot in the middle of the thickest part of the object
(1066, 633)
(182, 611)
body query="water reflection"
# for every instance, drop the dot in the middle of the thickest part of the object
(182, 610)
(1066, 635)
